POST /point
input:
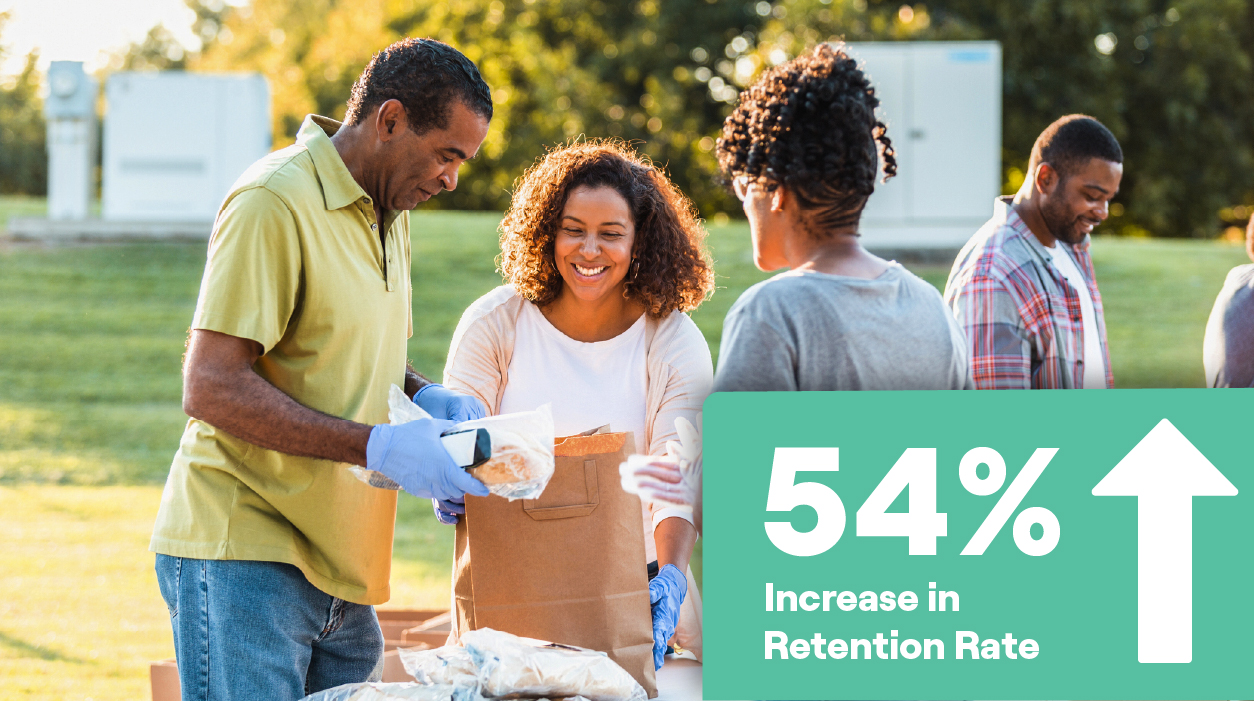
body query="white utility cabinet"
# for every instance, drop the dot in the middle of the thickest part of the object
(942, 104)
(175, 142)
(70, 109)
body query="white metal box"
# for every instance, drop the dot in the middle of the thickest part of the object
(942, 104)
(174, 142)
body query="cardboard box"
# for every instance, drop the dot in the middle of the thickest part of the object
(433, 632)
(393, 670)
(394, 622)
(164, 676)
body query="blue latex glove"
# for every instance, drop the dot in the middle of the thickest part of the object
(446, 511)
(412, 455)
(666, 592)
(443, 403)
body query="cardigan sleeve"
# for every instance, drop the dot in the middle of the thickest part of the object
(473, 365)
(688, 383)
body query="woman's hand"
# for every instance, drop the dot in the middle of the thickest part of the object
(666, 595)
(657, 479)
(447, 511)
(663, 479)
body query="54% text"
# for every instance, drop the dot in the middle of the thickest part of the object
(921, 523)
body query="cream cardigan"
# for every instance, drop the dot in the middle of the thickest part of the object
(680, 376)
(679, 366)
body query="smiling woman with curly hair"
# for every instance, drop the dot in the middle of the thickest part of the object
(670, 268)
(603, 257)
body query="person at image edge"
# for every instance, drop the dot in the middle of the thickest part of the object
(1228, 349)
(271, 554)
(1023, 287)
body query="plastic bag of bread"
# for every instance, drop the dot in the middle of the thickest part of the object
(521, 462)
(512, 666)
(450, 664)
(396, 691)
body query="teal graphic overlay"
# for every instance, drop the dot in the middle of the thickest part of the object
(1141, 592)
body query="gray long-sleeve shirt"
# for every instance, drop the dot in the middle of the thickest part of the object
(1228, 351)
(805, 330)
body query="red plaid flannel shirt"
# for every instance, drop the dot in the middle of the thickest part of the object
(1022, 319)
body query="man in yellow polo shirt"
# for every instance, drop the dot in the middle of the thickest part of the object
(271, 554)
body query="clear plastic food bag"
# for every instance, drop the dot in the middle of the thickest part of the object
(510, 665)
(396, 691)
(450, 664)
(522, 449)
(522, 460)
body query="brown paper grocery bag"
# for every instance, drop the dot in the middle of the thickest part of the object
(567, 567)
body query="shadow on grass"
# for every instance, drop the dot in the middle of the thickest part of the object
(23, 649)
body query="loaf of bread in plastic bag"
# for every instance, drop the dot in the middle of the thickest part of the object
(510, 666)
(522, 461)
(396, 691)
(450, 664)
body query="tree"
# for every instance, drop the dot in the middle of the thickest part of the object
(23, 147)
(1173, 79)
(161, 50)
(559, 69)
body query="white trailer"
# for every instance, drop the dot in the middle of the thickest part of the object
(174, 142)
(942, 104)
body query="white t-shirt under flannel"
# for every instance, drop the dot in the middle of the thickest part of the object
(1094, 365)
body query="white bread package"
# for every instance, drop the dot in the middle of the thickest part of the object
(396, 691)
(522, 449)
(512, 666)
(522, 460)
(450, 664)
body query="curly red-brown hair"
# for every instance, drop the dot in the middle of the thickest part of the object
(673, 269)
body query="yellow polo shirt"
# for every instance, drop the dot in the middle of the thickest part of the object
(296, 264)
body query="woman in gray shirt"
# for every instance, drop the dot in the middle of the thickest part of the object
(801, 151)
(1228, 349)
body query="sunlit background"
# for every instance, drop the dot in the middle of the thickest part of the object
(91, 334)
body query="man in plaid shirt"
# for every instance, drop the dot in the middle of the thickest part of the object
(1023, 288)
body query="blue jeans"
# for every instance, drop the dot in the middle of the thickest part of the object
(252, 630)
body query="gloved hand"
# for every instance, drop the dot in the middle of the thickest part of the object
(666, 592)
(446, 511)
(412, 455)
(443, 403)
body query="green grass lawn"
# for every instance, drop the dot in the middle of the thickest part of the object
(91, 339)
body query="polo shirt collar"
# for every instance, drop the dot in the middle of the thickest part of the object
(339, 189)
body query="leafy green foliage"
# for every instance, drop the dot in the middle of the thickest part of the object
(1173, 79)
(23, 160)
(559, 70)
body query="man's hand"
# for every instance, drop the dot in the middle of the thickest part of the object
(412, 455)
(443, 403)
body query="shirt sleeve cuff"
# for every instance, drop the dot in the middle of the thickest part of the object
(684, 512)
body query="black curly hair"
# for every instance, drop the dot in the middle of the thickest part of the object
(810, 126)
(424, 75)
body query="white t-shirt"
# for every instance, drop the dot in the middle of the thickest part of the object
(1094, 363)
(589, 385)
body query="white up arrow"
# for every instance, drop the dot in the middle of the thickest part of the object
(1165, 472)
